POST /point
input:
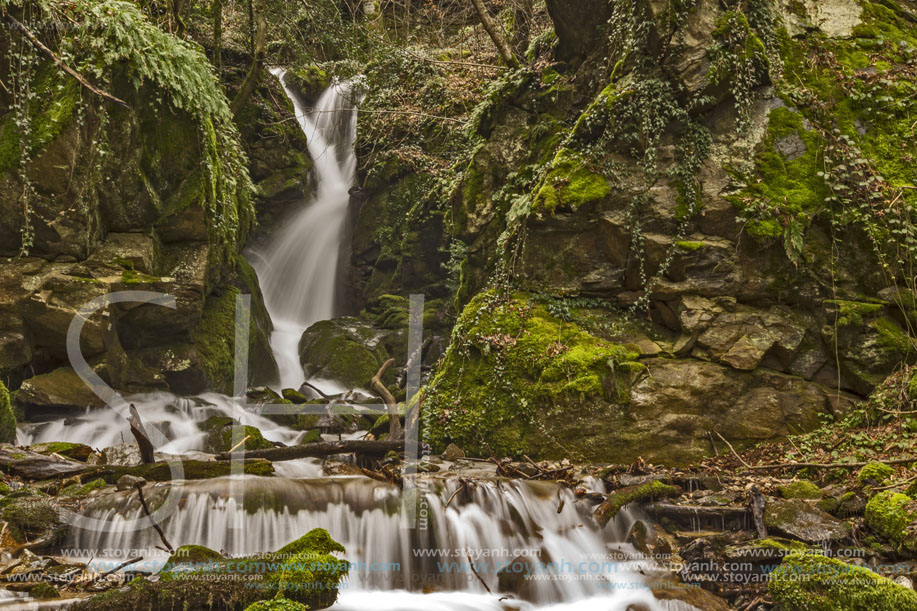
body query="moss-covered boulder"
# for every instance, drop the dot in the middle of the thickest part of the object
(276, 604)
(875, 473)
(61, 389)
(347, 350)
(892, 515)
(812, 582)
(803, 489)
(307, 82)
(30, 515)
(224, 433)
(307, 574)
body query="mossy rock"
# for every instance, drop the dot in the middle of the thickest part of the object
(890, 514)
(812, 582)
(76, 490)
(276, 604)
(514, 372)
(76, 451)
(875, 473)
(224, 436)
(303, 571)
(31, 516)
(44, 591)
(347, 350)
(188, 556)
(570, 183)
(797, 519)
(308, 82)
(803, 489)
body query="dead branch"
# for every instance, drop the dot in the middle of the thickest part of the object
(394, 422)
(80, 78)
(475, 571)
(731, 449)
(143, 440)
(831, 465)
(316, 389)
(324, 448)
(503, 48)
(158, 528)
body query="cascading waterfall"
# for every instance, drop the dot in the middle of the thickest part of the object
(299, 270)
(393, 561)
(397, 565)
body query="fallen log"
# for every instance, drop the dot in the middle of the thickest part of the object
(322, 449)
(32, 465)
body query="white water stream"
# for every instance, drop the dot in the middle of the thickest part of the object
(398, 564)
(298, 271)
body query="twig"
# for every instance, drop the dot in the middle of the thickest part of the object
(316, 389)
(241, 443)
(832, 465)
(753, 604)
(454, 494)
(32, 39)
(732, 449)
(896, 484)
(158, 528)
(716, 452)
(475, 571)
(116, 569)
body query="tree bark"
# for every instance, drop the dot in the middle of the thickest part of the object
(143, 440)
(503, 48)
(394, 421)
(324, 448)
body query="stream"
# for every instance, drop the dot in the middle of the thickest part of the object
(431, 561)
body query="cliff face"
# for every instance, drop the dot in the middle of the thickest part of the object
(97, 197)
(698, 224)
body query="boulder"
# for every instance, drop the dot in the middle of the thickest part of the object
(347, 350)
(797, 519)
(62, 389)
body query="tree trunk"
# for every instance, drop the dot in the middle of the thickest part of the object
(522, 26)
(578, 24)
(218, 37)
(503, 49)
(254, 73)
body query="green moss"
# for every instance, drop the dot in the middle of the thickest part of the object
(214, 338)
(892, 337)
(316, 541)
(75, 490)
(44, 590)
(853, 312)
(690, 246)
(802, 489)
(511, 367)
(642, 493)
(812, 582)
(32, 516)
(875, 473)
(223, 438)
(192, 469)
(7, 418)
(889, 514)
(276, 604)
(190, 555)
(569, 183)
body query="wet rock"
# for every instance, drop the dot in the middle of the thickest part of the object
(346, 350)
(225, 433)
(453, 452)
(60, 389)
(797, 519)
(129, 482)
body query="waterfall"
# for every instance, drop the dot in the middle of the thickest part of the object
(396, 565)
(298, 271)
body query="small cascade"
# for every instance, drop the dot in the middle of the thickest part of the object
(299, 271)
(177, 418)
(486, 525)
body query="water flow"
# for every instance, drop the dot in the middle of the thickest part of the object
(394, 562)
(298, 271)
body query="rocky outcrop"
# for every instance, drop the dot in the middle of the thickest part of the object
(97, 198)
(688, 189)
